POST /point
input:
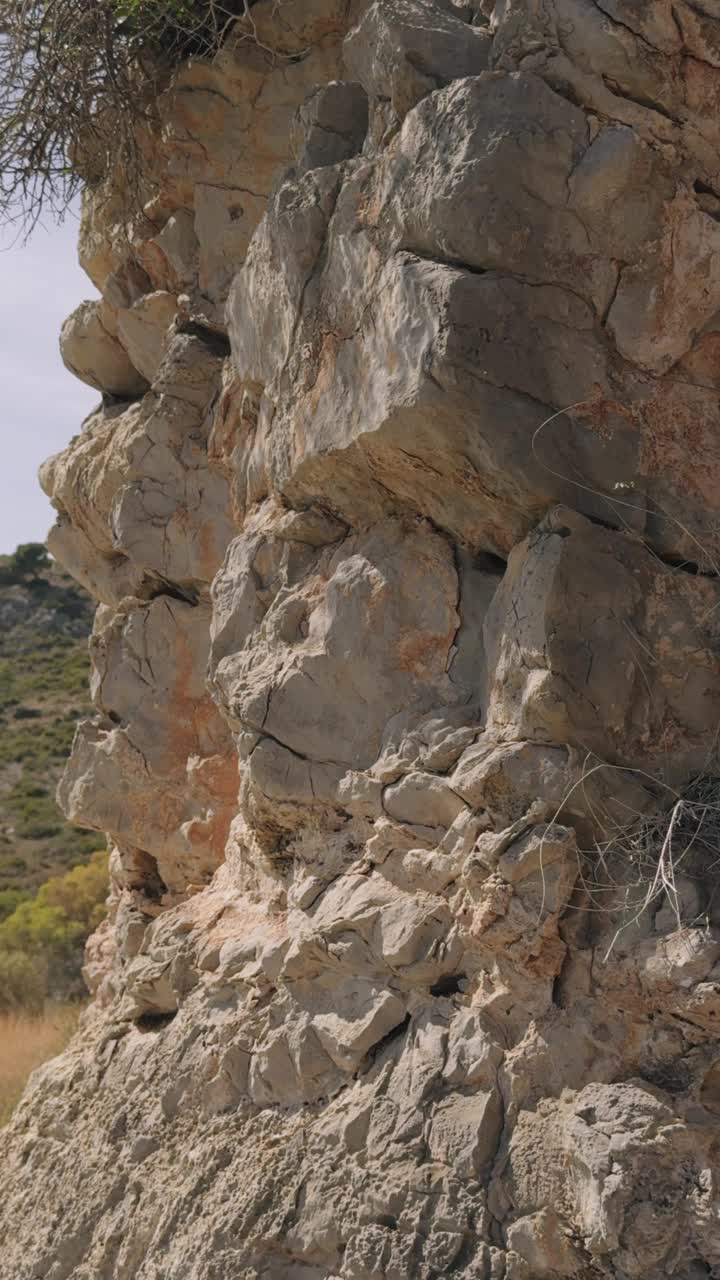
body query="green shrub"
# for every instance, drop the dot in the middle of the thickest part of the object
(81, 893)
(42, 941)
(10, 900)
(23, 982)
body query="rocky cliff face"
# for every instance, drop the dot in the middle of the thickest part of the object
(402, 513)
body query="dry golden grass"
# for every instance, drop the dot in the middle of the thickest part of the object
(26, 1041)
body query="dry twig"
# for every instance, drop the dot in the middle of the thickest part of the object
(79, 81)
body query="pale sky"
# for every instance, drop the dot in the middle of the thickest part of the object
(41, 404)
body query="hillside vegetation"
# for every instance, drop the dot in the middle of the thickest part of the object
(45, 621)
(53, 877)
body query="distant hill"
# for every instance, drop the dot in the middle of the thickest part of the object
(45, 620)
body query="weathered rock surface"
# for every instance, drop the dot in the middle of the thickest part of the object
(402, 512)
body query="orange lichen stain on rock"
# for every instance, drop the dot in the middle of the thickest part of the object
(674, 438)
(314, 589)
(675, 434)
(240, 918)
(218, 775)
(211, 555)
(496, 899)
(200, 113)
(231, 435)
(187, 712)
(210, 837)
(227, 422)
(371, 204)
(596, 410)
(423, 654)
(701, 365)
(198, 775)
(544, 956)
(320, 376)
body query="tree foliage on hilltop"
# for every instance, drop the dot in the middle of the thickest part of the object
(27, 561)
(78, 85)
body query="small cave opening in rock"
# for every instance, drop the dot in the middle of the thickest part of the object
(703, 189)
(387, 1220)
(144, 875)
(217, 343)
(174, 591)
(488, 562)
(449, 985)
(155, 1021)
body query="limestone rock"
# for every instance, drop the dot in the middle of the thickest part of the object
(635, 613)
(143, 330)
(130, 488)
(91, 349)
(295, 654)
(401, 509)
(332, 124)
(156, 771)
(405, 49)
